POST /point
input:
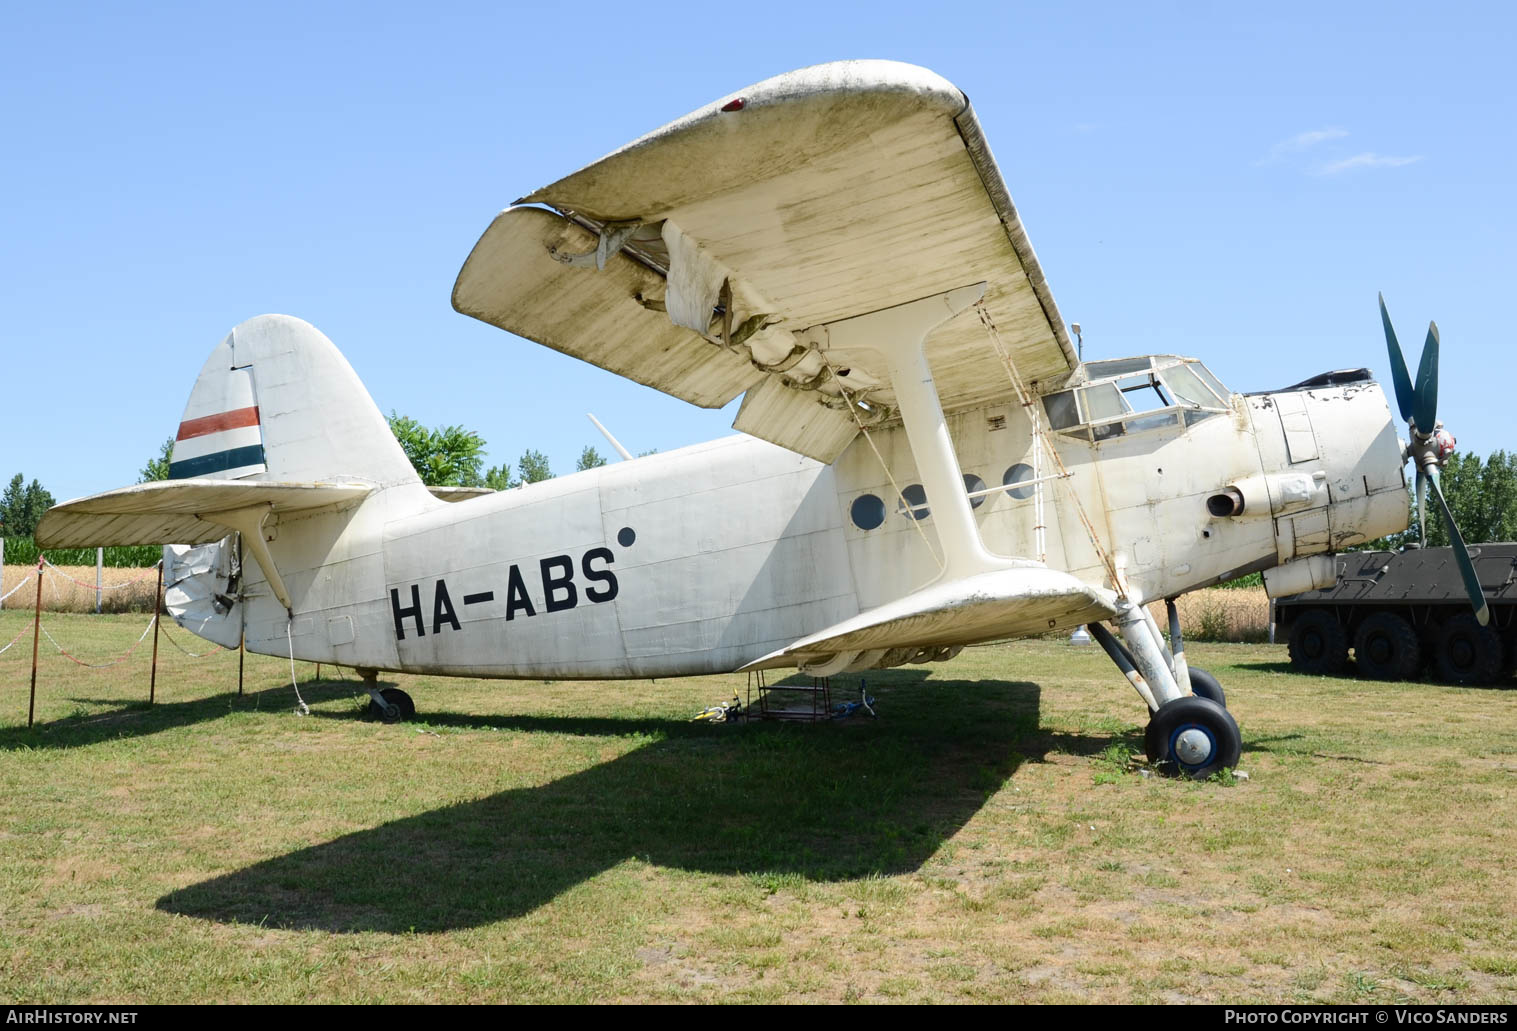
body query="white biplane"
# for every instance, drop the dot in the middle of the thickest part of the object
(923, 462)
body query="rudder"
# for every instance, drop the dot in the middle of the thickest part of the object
(277, 401)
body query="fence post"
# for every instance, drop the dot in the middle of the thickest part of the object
(99, 570)
(31, 705)
(152, 686)
(242, 618)
(2, 569)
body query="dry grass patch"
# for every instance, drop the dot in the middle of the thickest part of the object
(62, 594)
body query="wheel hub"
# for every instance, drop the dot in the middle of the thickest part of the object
(1193, 746)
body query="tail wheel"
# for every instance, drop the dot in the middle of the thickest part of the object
(1318, 643)
(1468, 653)
(1195, 736)
(398, 706)
(1386, 648)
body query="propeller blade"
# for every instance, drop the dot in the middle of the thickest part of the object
(1462, 555)
(1399, 375)
(1425, 406)
(1422, 506)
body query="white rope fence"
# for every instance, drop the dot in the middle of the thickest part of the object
(101, 665)
(152, 571)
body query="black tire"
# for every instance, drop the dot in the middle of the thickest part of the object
(1386, 648)
(1318, 643)
(1468, 653)
(399, 707)
(1184, 724)
(1204, 685)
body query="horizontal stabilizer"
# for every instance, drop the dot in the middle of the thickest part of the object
(179, 511)
(1006, 603)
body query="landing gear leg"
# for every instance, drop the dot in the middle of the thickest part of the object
(1186, 732)
(392, 705)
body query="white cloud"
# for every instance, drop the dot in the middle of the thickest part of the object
(1302, 141)
(1366, 160)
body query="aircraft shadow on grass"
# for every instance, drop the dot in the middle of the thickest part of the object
(830, 802)
(139, 719)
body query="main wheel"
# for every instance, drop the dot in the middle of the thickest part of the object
(1318, 643)
(1195, 735)
(1204, 685)
(398, 706)
(1386, 647)
(1468, 653)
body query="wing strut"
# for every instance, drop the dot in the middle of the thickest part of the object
(249, 522)
(899, 334)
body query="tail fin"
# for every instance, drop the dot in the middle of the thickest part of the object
(276, 401)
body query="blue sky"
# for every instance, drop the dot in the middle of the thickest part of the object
(1225, 181)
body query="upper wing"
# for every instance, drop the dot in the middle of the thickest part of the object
(693, 259)
(178, 511)
(1007, 603)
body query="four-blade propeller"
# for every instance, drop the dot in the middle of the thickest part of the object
(1430, 446)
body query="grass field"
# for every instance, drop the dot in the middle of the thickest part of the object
(986, 839)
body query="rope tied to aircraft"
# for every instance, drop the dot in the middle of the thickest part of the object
(99, 665)
(301, 708)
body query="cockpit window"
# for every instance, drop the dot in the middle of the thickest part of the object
(1102, 401)
(1131, 395)
(1144, 393)
(1062, 413)
(1120, 367)
(1188, 387)
(1210, 380)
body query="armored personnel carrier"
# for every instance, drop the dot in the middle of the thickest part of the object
(1406, 612)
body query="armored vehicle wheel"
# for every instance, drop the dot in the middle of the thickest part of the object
(1205, 685)
(1318, 643)
(398, 706)
(1468, 653)
(1386, 647)
(1193, 735)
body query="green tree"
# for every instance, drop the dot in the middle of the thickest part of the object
(498, 477)
(1482, 496)
(157, 468)
(445, 456)
(22, 506)
(589, 458)
(533, 466)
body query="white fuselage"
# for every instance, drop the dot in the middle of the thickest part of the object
(703, 559)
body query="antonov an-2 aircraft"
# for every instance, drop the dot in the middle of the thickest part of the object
(923, 462)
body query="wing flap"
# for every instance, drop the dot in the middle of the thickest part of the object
(795, 419)
(179, 511)
(513, 281)
(1007, 603)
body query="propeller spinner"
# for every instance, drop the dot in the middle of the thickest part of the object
(1430, 448)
